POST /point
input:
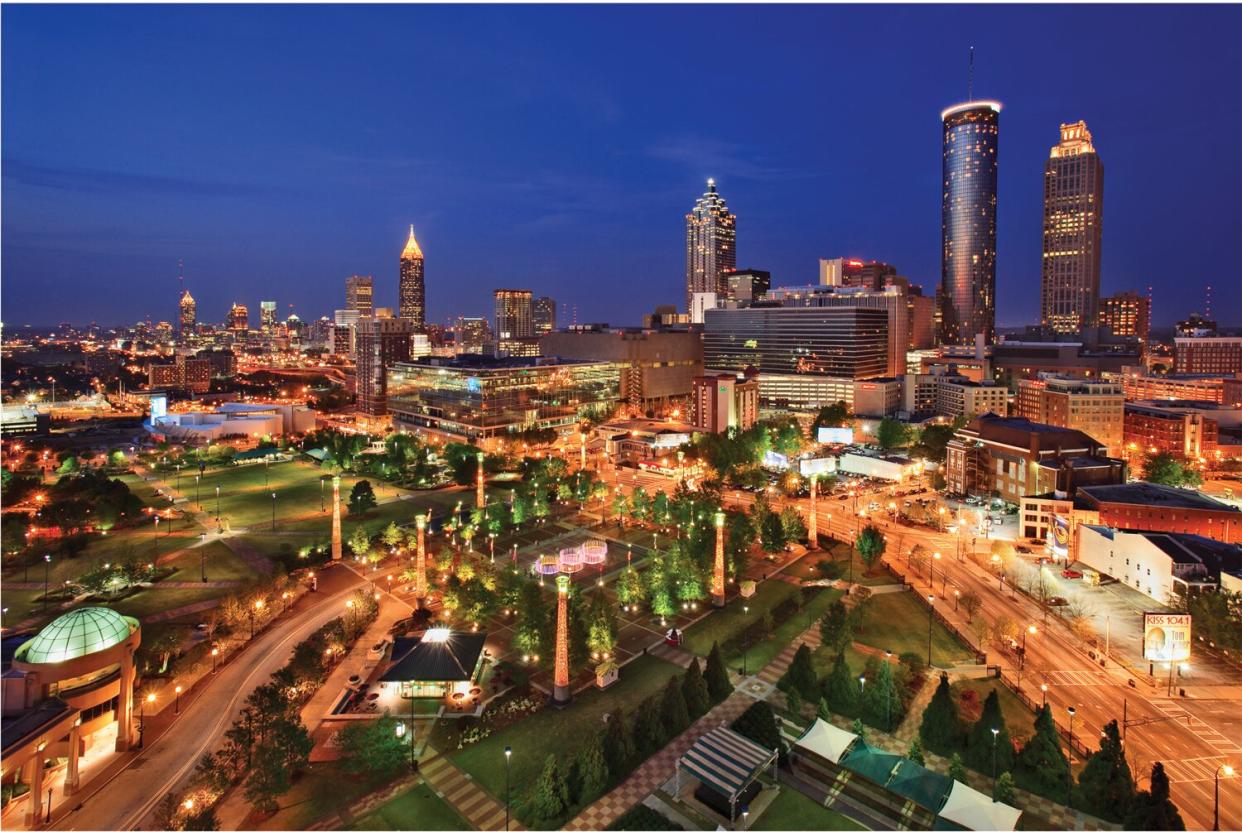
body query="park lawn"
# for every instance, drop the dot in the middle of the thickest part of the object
(795, 811)
(152, 601)
(560, 732)
(841, 554)
(324, 789)
(220, 562)
(768, 649)
(725, 623)
(1019, 720)
(417, 808)
(23, 604)
(401, 512)
(896, 621)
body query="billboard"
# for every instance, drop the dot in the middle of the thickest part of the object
(1059, 538)
(818, 467)
(159, 407)
(771, 459)
(834, 436)
(1166, 637)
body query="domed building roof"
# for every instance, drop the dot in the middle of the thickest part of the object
(75, 634)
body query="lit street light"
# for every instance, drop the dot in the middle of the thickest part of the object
(177, 708)
(508, 754)
(931, 600)
(1022, 659)
(995, 735)
(1228, 770)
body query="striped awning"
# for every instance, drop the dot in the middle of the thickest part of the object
(726, 761)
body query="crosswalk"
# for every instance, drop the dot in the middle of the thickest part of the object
(1195, 769)
(1205, 732)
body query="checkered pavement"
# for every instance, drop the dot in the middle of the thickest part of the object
(470, 800)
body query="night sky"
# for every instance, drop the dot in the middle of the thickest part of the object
(278, 149)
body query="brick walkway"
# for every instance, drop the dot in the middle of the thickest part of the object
(472, 802)
(776, 668)
(678, 656)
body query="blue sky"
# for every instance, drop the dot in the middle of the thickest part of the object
(278, 149)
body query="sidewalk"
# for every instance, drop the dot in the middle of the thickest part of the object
(470, 800)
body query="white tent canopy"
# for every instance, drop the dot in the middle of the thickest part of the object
(826, 740)
(975, 810)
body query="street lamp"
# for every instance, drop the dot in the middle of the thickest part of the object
(746, 645)
(995, 735)
(1228, 770)
(1044, 690)
(957, 596)
(508, 754)
(258, 605)
(273, 511)
(931, 572)
(1071, 711)
(215, 653)
(353, 616)
(931, 600)
(1031, 630)
(47, 565)
(217, 504)
(197, 501)
(177, 707)
(142, 715)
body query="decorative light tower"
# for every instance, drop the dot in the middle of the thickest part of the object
(560, 683)
(812, 522)
(480, 501)
(420, 560)
(582, 451)
(718, 576)
(336, 517)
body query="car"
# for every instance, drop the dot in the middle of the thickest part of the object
(1072, 574)
(1025, 550)
(1057, 601)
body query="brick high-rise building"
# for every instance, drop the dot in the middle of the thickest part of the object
(711, 245)
(1073, 220)
(412, 291)
(1127, 314)
(1097, 408)
(725, 400)
(380, 342)
(360, 294)
(1208, 355)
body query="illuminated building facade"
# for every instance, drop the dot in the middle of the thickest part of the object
(971, 135)
(890, 298)
(1208, 355)
(711, 245)
(1097, 408)
(657, 365)
(543, 315)
(513, 313)
(267, 316)
(471, 335)
(473, 398)
(1073, 221)
(186, 312)
(239, 318)
(379, 343)
(1127, 314)
(842, 341)
(865, 274)
(411, 291)
(360, 294)
(725, 400)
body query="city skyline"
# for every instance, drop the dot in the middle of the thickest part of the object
(245, 216)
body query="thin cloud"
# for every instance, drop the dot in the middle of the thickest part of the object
(98, 181)
(713, 157)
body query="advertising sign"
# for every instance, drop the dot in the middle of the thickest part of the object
(1166, 637)
(159, 407)
(817, 467)
(1059, 538)
(771, 459)
(834, 436)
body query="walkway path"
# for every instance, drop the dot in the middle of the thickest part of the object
(470, 800)
(178, 612)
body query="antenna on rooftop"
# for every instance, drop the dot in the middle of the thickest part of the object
(1207, 311)
(970, 77)
(181, 274)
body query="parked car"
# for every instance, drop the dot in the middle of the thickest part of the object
(1072, 574)
(1024, 550)
(1057, 601)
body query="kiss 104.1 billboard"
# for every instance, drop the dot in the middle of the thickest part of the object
(1166, 637)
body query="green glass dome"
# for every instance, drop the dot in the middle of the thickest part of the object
(77, 633)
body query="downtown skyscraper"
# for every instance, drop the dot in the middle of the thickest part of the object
(711, 245)
(1073, 222)
(967, 299)
(411, 291)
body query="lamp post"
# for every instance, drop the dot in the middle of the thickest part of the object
(957, 596)
(1044, 690)
(215, 653)
(1228, 770)
(177, 706)
(258, 605)
(47, 565)
(217, 504)
(202, 556)
(995, 735)
(746, 645)
(353, 617)
(931, 600)
(197, 501)
(1071, 711)
(142, 715)
(321, 482)
(931, 571)
(862, 688)
(1031, 630)
(508, 754)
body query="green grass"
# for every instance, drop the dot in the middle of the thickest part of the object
(417, 808)
(1019, 719)
(151, 601)
(22, 604)
(221, 564)
(560, 732)
(321, 791)
(760, 654)
(725, 623)
(841, 555)
(795, 811)
(897, 621)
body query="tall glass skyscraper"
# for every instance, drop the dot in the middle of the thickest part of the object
(1073, 225)
(968, 222)
(711, 245)
(411, 292)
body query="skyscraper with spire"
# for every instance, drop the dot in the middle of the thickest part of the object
(186, 314)
(711, 245)
(1073, 219)
(411, 292)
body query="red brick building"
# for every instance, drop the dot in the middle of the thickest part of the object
(1145, 506)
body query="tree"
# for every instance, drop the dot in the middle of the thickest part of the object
(649, 735)
(739, 537)
(772, 532)
(971, 603)
(283, 749)
(592, 769)
(792, 525)
(1153, 809)
(372, 748)
(980, 743)
(858, 728)
(1041, 766)
(629, 587)
(892, 434)
(822, 711)
(834, 629)
(1165, 469)
(360, 541)
(717, 676)
(618, 742)
(392, 535)
(881, 703)
(694, 690)
(758, 723)
(915, 752)
(957, 769)
(800, 675)
(673, 711)
(601, 625)
(1003, 792)
(832, 416)
(941, 729)
(361, 498)
(550, 794)
(1105, 785)
(841, 688)
(933, 442)
(793, 700)
(870, 545)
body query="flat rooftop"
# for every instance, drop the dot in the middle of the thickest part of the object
(1151, 494)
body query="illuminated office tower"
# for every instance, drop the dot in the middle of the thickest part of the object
(968, 222)
(711, 245)
(513, 313)
(1127, 314)
(543, 315)
(186, 314)
(411, 293)
(239, 318)
(360, 294)
(267, 315)
(1073, 218)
